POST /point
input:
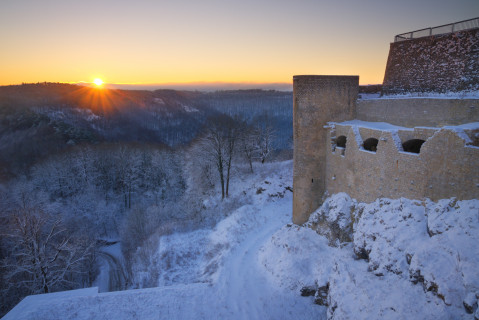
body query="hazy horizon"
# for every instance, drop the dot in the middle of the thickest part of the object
(188, 41)
(193, 86)
(200, 86)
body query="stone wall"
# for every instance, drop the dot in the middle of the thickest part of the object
(447, 165)
(316, 100)
(416, 112)
(439, 63)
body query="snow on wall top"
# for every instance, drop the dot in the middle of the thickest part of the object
(421, 95)
(384, 126)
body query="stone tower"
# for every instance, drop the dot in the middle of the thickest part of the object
(316, 101)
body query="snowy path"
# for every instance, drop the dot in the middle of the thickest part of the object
(232, 283)
(242, 291)
(113, 279)
(241, 278)
(112, 276)
(247, 292)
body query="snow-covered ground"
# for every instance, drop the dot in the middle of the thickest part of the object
(422, 263)
(423, 95)
(421, 258)
(112, 274)
(204, 274)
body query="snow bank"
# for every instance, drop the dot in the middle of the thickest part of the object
(28, 307)
(333, 219)
(296, 257)
(408, 259)
(454, 230)
(176, 260)
(387, 232)
(433, 244)
(356, 293)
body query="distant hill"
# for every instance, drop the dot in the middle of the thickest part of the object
(44, 118)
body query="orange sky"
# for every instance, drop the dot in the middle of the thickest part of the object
(146, 42)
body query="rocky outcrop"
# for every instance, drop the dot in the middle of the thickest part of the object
(334, 219)
(412, 246)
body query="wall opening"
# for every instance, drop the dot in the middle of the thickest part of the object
(341, 141)
(371, 144)
(474, 136)
(413, 145)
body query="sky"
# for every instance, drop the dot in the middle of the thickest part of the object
(145, 42)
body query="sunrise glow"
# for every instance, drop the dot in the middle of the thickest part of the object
(133, 45)
(98, 82)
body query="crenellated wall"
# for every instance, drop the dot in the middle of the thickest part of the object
(435, 162)
(446, 166)
(332, 133)
(440, 63)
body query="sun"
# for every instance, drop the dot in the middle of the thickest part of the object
(98, 82)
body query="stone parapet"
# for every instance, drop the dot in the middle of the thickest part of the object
(447, 164)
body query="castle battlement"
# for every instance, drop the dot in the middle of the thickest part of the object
(413, 147)
(372, 160)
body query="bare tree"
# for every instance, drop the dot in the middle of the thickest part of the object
(265, 142)
(127, 161)
(249, 144)
(83, 165)
(43, 257)
(256, 141)
(219, 144)
(265, 135)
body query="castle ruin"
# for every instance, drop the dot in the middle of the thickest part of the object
(413, 147)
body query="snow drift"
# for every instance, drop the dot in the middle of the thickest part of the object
(390, 259)
(407, 259)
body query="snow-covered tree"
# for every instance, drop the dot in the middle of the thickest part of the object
(128, 172)
(43, 256)
(218, 145)
(265, 135)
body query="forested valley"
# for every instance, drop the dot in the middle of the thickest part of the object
(84, 168)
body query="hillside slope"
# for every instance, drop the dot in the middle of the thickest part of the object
(205, 274)
(37, 120)
(421, 263)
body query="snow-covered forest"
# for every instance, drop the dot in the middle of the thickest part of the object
(78, 180)
(37, 120)
(191, 203)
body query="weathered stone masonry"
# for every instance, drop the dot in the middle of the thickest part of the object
(421, 159)
(447, 164)
(331, 156)
(438, 63)
(425, 112)
(317, 100)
